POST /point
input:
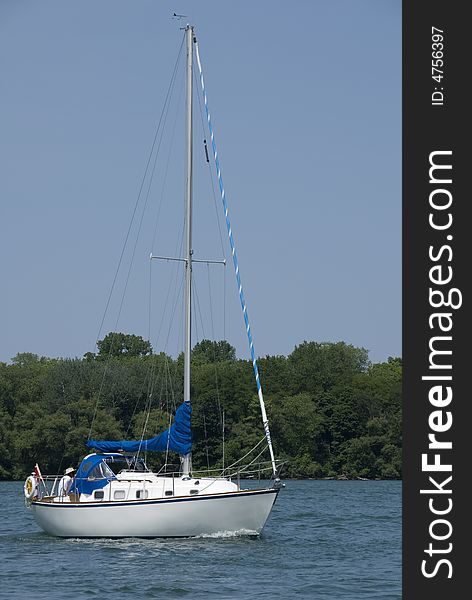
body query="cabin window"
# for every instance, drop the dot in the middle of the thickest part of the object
(101, 471)
(169, 493)
(119, 495)
(137, 465)
(142, 494)
(126, 463)
(99, 495)
(193, 491)
(117, 466)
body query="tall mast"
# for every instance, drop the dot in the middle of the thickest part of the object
(186, 466)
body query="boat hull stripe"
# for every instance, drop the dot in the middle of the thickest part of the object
(68, 505)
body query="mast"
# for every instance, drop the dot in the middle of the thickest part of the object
(187, 459)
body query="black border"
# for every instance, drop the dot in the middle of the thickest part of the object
(428, 128)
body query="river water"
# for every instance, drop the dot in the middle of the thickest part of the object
(325, 540)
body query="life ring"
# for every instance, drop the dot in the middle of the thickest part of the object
(30, 487)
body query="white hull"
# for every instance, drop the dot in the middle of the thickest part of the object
(245, 512)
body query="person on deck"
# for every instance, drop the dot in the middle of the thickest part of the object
(66, 481)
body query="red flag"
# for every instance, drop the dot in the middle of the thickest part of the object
(37, 473)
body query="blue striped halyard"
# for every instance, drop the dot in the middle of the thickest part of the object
(235, 264)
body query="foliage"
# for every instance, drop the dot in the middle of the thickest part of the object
(212, 351)
(332, 413)
(123, 344)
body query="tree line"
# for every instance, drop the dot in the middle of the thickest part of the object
(332, 413)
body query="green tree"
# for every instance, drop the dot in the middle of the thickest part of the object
(331, 412)
(297, 428)
(123, 344)
(321, 366)
(212, 351)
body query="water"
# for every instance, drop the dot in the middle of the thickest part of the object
(325, 540)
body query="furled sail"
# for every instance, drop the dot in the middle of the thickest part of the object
(178, 437)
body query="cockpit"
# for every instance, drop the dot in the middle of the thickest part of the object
(97, 470)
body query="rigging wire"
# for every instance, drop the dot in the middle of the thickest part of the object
(265, 420)
(224, 304)
(164, 183)
(211, 309)
(125, 243)
(152, 378)
(151, 177)
(210, 170)
(247, 453)
(150, 299)
(176, 275)
(222, 245)
(171, 84)
(246, 467)
(196, 306)
(169, 154)
(214, 347)
(175, 302)
(206, 440)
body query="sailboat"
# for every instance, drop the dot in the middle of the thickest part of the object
(113, 493)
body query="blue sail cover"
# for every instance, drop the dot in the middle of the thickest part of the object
(81, 484)
(177, 438)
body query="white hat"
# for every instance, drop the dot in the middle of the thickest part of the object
(69, 470)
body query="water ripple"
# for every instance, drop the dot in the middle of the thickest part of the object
(325, 540)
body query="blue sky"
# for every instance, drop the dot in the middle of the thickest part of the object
(306, 103)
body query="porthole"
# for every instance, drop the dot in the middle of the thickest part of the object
(119, 495)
